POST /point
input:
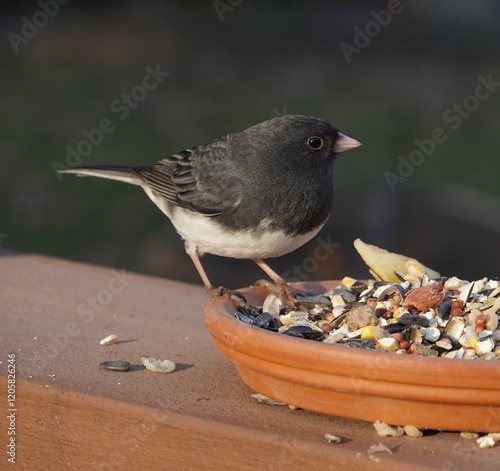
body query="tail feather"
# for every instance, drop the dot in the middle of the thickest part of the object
(111, 172)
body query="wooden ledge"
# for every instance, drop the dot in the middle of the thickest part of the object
(201, 417)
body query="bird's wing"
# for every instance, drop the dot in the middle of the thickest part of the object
(202, 179)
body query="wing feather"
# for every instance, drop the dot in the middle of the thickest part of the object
(202, 179)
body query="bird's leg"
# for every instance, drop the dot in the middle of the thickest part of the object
(204, 278)
(284, 291)
(212, 291)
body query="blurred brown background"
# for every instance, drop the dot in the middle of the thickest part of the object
(234, 63)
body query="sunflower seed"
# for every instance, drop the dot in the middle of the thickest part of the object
(114, 365)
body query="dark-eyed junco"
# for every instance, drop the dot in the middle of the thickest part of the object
(255, 194)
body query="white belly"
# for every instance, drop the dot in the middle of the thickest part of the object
(202, 235)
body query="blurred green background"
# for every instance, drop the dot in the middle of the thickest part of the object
(232, 64)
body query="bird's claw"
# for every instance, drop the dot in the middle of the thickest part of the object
(235, 296)
(285, 294)
(282, 290)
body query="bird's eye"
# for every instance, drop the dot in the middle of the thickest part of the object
(315, 142)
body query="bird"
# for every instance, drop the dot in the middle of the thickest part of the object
(256, 194)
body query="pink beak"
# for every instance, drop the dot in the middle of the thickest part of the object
(345, 143)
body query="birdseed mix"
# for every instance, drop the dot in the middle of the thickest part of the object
(440, 317)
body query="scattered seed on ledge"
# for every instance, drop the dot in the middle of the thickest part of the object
(412, 431)
(114, 365)
(158, 366)
(385, 430)
(109, 340)
(469, 435)
(267, 400)
(380, 448)
(330, 438)
(486, 442)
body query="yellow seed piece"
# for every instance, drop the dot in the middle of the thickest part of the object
(372, 332)
(347, 281)
(400, 311)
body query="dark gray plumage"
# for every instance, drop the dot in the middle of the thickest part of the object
(259, 193)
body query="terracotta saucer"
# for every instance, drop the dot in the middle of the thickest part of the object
(432, 393)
